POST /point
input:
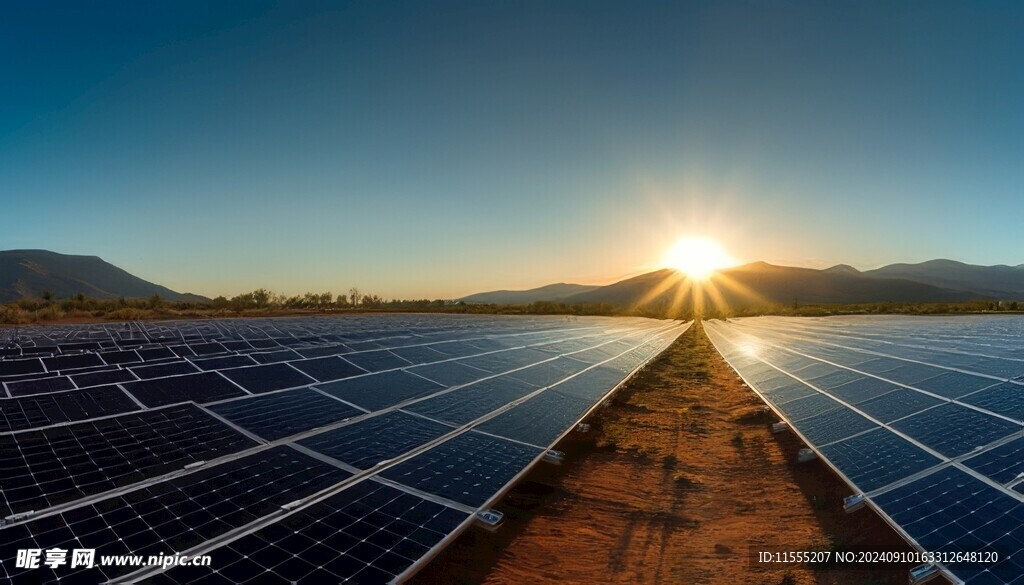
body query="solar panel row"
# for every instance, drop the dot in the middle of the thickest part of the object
(402, 427)
(920, 415)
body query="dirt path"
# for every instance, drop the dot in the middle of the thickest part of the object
(677, 481)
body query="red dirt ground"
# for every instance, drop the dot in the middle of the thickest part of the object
(679, 479)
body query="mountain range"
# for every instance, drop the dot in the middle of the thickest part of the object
(30, 273)
(760, 283)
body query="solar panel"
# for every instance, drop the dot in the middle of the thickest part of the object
(878, 458)
(199, 388)
(130, 464)
(40, 386)
(164, 370)
(471, 402)
(327, 368)
(155, 353)
(170, 516)
(1006, 399)
(102, 378)
(953, 430)
(381, 390)
(450, 373)
(322, 351)
(282, 414)
(862, 389)
(120, 357)
(539, 420)
(369, 533)
(898, 404)
(549, 373)
(951, 511)
(223, 363)
(1002, 463)
(377, 361)
(955, 384)
(30, 412)
(273, 357)
(469, 469)
(71, 362)
(58, 464)
(368, 442)
(268, 378)
(936, 450)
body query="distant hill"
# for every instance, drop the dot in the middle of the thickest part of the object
(761, 283)
(28, 273)
(1000, 282)
(551, 292)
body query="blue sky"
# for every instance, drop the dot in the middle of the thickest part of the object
(433, 149)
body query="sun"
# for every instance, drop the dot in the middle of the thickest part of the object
(697, 257)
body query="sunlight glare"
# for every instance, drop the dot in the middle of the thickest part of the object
(697, 257)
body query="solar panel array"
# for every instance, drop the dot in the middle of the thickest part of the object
(347, 449)
(924, 416)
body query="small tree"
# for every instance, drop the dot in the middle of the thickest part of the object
(261, 298)
(355, 296)
(326, 299)
(155, 302)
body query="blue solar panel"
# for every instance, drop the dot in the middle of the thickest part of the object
(327, 368)
(58, 464)
(134, 477)
(468, 469)
(282, 414)
(862, 390)
(40, 386)
(102, 378)
(950, 511)
(381, 390)
(955, 384)
(833, 379)
(450, 373)
(47, 409)
(1003, 463)
(17, 367)
(549, 373)
(898, 404)
(268, 378)
(540, 420)
(199, 388)
(953, 430)
(169, 517)
(369, 533)
(788, 390)
(834, 425)
(943, 508)
(222, 363)
(368, 442)
(809, 406)
(376, 361)
(164, 370)
(878, 458)
(1006, 399)
(471, 402)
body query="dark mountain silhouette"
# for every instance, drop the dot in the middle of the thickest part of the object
(28, 273)
(763, 283)
(551, 292)
(999, 282)
(760, 283)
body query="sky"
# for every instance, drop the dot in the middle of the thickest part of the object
(436, 149)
